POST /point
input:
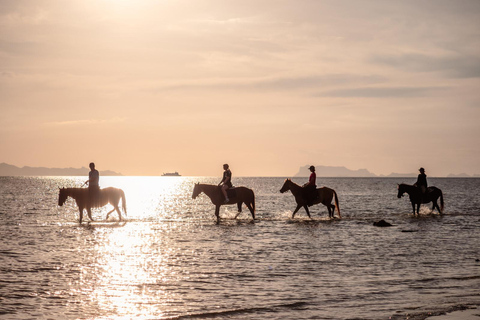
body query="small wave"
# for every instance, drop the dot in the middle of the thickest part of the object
(239, 311)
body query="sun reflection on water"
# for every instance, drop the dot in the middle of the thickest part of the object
(129, 262)
(133, 264)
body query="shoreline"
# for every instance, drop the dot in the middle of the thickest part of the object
(469, 313)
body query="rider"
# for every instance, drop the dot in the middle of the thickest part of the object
(311, 187)
(422, 181)
(226, 181)
(93, 186)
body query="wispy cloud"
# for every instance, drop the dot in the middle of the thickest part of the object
(85, 122)
(455, 66)
(273, 83)
(382, 92)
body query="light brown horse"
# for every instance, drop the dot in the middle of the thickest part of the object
(242, 195)
(105, 196)
(325, 197)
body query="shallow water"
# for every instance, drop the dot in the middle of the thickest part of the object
(170, 260)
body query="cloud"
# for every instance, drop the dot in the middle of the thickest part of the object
(458, 66)
(274, 83)
(381, 92)
(85, 122)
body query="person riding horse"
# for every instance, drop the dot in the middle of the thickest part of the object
(93, 186)
(310, 188)
(226, 182)
(422, 181)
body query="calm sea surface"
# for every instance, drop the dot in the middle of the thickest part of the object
(170, 260)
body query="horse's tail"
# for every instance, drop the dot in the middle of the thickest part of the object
(253, 201)
(441, 200)
(336, 204)
(124, 202)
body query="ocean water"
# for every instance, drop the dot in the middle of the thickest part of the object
(170, 260)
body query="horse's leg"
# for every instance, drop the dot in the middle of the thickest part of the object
(81, 214)
(418, 208)
(296, 210)
(89, 212)
(249, 206)
(239, 206)
(119, 213)
(308, 212)
(217, 213)
(413, 206)
(329, 210)
(435, 205)
(333, 210)
(108, 214)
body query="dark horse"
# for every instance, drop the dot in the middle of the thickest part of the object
(325, 197)
(105, 196)
(243, 195)
(416, 197)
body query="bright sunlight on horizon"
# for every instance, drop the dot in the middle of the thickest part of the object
(146, 87)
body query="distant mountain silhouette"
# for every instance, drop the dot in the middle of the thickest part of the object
(326, 171)
(332, 172)
(10, 170)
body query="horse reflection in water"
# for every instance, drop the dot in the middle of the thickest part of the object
(105, 196)
(417, 198)
(242, 195)
(325, 197)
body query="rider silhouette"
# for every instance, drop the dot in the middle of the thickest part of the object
(422, 181)
(226, 182)
(310, 188)
(93, 186)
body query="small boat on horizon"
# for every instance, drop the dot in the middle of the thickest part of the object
(171, 174)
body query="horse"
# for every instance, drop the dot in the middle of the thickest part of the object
(416, 197)
(105, 196)
(242, 195)
(325, 197)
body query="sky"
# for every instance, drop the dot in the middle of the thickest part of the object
(147, 87)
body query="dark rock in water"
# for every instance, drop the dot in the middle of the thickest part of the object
(382, 223)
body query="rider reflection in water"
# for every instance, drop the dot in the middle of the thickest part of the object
(93, 186)
(422, 181)
(226, 181)
(310, 188)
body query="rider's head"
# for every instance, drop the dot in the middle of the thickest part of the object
(421, 170)
(92, 166)
(312, 168)
(225, 166)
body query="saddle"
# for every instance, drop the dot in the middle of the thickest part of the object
(310, 194)
(232, 192)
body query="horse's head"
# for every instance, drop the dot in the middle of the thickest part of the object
(196, 190)
(401, 190)
(286, 186)
(62, 196)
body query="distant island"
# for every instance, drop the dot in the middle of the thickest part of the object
(10, 170)
(340, 172)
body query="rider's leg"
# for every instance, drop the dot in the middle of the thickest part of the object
(224, 190)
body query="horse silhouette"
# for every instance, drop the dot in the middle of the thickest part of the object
(325, 197)
(105, 196)
(241, 195)
(417, 198)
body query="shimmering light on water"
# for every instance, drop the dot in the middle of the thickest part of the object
(170, 260)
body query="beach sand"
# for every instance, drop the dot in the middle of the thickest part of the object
(469, 314)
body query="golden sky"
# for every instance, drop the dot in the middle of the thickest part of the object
(146, 87)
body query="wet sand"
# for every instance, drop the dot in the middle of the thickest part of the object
(469, 314)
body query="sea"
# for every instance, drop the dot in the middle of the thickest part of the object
(170, 259)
